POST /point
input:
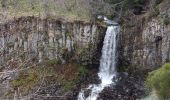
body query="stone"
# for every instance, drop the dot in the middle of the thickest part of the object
(49, 38)
(145, 46)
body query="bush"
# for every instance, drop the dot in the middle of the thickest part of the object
(26, 82)
(83, 70)
(159, 80)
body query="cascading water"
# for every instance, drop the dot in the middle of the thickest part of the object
(107, 64)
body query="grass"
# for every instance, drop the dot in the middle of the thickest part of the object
(48, 8)
(49, 73)
(83, 70)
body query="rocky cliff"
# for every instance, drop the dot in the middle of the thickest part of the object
(46, 39)
(145, 41)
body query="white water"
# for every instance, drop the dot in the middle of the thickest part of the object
(107, 64)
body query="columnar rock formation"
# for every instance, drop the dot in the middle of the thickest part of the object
(145, 40)
(43, 39)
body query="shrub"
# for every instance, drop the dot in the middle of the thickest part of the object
(26, 82)
(83, 70)
(159, 80)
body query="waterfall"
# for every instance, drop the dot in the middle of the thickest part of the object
(107, 64)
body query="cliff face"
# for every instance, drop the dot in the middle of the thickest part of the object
(45, 39)
(146, 39)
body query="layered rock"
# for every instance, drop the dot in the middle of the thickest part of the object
(146, 42)
(45, 39)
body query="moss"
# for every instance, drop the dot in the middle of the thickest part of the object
(26, 82)
(166, 20)
(83, 51)
(51, 47)
(53, 62)
(8, 95)
(69, 85)
(124, 69)
(69, 34)
(10, 44)
(53, 73)
(79, 51)
(63, 50)
(82, 70)
(159, 80)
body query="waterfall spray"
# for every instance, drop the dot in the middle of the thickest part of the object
(107, 63)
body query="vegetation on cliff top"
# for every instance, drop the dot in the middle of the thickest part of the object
(84, 10)
(67, 9)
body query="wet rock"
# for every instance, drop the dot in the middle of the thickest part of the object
(130, 89)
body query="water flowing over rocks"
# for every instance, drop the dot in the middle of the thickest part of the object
(130, 88)
(144, 45)
(108, 62)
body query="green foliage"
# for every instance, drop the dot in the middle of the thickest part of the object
(25, 82)
(159, 80)
(50, 73)
(83, 70)
(69, 34)
(69, 85)
(53, 62)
